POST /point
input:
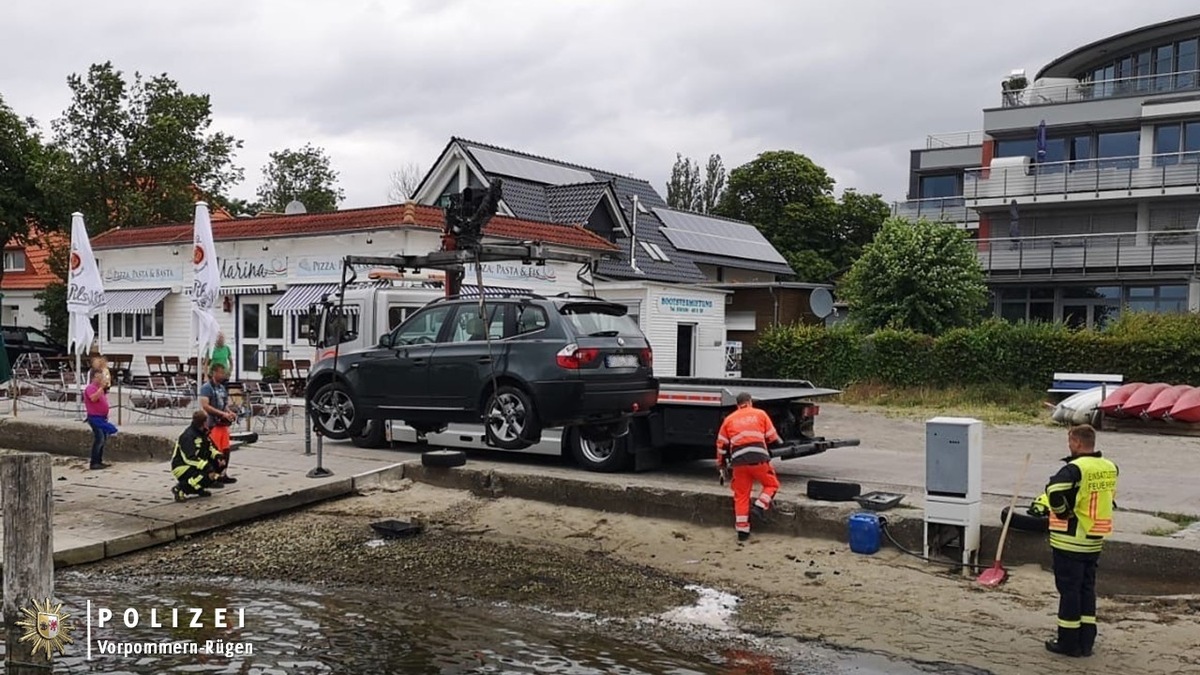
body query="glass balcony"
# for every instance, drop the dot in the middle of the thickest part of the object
(1145, 85)
(1080, 254)
(1125, 176)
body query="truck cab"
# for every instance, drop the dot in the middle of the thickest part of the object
(367, 311)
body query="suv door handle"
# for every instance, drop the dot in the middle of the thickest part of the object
(418, 362)
(485, 359)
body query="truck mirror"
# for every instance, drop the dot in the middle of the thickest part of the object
(385, 340)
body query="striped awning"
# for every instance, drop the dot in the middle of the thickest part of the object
(265, 289)
(472, 291)
(141, 301)
(296, 299)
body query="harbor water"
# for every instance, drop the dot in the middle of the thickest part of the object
(286, 628)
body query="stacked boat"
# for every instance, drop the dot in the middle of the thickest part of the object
(1153, 401)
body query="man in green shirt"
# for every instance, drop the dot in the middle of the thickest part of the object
(221, 355)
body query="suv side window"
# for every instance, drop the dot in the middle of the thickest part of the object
(468, 327)
(531, 318)
(422, 327)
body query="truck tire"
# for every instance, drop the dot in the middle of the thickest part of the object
(833, 491)
(374, 435)
(443, 459)
(607, 456)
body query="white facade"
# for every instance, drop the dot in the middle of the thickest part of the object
(685, 325)
(20, 308)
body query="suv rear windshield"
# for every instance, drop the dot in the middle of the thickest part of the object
(596, 320)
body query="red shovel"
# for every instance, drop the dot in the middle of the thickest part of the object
(996, 574)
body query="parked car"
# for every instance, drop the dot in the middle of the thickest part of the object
(20, 340)
(527, 363)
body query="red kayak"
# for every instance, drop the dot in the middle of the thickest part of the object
(1111, 405)
(1164, 402)
(1187, 408)
(1141, 399)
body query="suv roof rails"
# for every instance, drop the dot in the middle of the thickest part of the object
(493, 296)
(567, 295)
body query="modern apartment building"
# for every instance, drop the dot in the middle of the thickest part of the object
(1083, 187)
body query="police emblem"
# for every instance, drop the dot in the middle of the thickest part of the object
(46, 627)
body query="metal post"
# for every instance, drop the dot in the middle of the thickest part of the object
(28, 507)
(120, 398)
(319, 471)
(307, 428)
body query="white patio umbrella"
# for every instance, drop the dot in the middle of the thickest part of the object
(206, 286)
(85, 296)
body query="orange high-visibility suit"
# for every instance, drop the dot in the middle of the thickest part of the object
(742, 445)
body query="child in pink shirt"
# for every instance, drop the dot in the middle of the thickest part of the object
(95, 402)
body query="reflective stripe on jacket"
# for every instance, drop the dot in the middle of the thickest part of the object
(1081, 498)
(744, 436)
(193, 450)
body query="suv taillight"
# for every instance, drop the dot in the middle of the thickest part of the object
(572, 357)
(647, 357)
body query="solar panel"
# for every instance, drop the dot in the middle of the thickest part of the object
(525, 168)
(701, 234)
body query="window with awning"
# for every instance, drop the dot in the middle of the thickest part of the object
(141, 301)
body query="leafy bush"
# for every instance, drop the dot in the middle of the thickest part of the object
(1142, 347)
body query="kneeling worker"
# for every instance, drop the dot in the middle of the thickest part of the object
(196, 463)
(742, 445)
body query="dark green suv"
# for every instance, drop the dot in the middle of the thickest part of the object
(526, 362)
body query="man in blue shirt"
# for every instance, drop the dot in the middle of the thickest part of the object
(214, 400)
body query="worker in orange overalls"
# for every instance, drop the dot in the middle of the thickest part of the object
(742, 445)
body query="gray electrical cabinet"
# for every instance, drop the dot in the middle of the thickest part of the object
(954, 457)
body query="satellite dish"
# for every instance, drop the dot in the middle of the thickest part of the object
(820, 302)
(293, 207)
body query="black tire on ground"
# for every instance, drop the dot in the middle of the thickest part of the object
(332, 411)
(373, 435)
(606, 456)
(1025, 522)
(444, 459)
(833, 491)
(510, 421)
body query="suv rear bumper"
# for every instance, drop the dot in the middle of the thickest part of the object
(562, 403)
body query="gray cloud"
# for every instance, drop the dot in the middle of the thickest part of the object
(620, 85)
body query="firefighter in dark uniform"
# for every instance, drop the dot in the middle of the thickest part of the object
(1081, 497)
(196, 463)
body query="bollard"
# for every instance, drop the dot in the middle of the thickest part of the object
(120, 401)
(27, 502)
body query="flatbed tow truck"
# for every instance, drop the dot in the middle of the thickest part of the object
(682, 425)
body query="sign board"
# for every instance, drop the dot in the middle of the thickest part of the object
(317, 266)
(505, 274)
(671, 304)
(143, 273)
(253, 269)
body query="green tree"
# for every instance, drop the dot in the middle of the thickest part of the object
(715, 179)
(920, 276)
(305, 175)
(26, 203)
(791, 200)
(52, 300)
(135, 152)
(683, 190)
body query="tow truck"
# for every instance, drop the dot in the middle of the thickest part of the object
(682, 425)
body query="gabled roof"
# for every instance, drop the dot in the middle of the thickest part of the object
(37, 274)
(348, 220)
(563, 201)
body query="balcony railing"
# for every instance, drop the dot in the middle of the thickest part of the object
(941, 209)
(1110, 174)
(1143, 85)
(956, 139)
(1162, 250)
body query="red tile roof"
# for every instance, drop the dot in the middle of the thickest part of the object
(37, 274)
(350, 220)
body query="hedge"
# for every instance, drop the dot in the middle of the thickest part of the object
(1142, 347)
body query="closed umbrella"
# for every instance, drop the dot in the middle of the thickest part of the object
(206, 285)
(85, 294)
(1041, 142)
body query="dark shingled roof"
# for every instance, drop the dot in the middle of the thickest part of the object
(568, 203)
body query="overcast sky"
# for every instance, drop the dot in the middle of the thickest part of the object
(620, 85)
